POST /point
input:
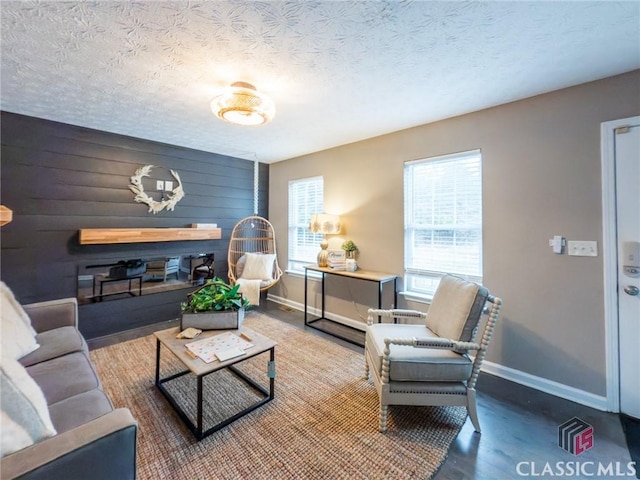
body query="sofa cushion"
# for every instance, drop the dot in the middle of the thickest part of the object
(18, 337)
(79, 409)
(456, 308)
(64, 377)
(55, 343)
(24, 408)
(410, 364)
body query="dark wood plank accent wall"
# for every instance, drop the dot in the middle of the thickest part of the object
(59, 178)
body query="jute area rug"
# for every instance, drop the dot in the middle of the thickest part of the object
(322, 423)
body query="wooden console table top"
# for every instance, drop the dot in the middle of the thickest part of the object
(362, 274)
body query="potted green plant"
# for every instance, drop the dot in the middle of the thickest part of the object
(216, 305)
(350, 248)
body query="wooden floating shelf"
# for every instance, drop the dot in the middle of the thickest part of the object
(6, 215)
(96, 236)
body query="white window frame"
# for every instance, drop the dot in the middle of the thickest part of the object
(300, 254)
(422, 277)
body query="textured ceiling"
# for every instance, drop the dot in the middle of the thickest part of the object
(338, 72)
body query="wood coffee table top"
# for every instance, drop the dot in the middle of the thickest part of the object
(196, 365)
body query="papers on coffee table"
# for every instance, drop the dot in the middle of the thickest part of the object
(228, 354)
(223, 347)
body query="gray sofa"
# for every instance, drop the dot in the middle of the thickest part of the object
(93, 439)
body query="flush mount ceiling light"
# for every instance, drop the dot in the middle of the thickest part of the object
(242, 104)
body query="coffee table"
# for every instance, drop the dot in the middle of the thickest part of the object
(200, 369)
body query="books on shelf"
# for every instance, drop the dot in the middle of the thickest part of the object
(204, 225)
(336, 260)
(337, 265)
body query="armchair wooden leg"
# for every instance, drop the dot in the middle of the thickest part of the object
(472, 409)
(366, 369)
(383, 417)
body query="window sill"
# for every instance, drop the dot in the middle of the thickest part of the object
(417, 297)
(297, 273)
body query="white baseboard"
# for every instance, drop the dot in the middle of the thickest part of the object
(548, 386)
(285, 301)
(517, 376)
(350, 322)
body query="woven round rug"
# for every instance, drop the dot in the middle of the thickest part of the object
(322, 423)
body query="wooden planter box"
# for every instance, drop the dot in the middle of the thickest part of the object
(223, 320)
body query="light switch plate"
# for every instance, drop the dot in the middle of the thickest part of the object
(168, 185)
(159, 185)
(583, 248)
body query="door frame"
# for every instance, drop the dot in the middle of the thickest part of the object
(610, 258)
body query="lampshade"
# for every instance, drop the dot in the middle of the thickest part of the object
(325, 223)
(242, 104)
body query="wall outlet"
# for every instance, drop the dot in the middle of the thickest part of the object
(581, 248)
(168, 185)
(557, 242)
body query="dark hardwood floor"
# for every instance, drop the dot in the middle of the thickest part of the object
(519, 436)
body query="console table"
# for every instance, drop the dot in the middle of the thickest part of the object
(381, 279)
(102, 279)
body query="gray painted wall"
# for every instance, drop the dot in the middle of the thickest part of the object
(60, 178)
(541, 176)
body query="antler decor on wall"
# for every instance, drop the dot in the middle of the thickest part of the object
(141, 197)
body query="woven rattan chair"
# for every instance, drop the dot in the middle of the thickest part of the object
(252, 235)
(429, 364)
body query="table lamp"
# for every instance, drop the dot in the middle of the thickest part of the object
(326, 224)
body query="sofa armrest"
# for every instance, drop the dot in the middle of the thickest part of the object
(53, 314)
(104, 448)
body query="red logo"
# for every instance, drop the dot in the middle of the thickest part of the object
(575, 436)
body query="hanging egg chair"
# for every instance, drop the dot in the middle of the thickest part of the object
(253, 242)
(252, 235)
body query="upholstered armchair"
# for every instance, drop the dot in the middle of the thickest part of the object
(431, 363)
(160, 269)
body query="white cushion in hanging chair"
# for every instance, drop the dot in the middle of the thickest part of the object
(256, 266)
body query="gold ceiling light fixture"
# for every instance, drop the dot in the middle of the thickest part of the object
(242, 104)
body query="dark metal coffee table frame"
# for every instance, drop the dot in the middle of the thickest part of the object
(197, 429)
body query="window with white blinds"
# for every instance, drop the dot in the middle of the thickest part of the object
(305, 198)
(442, 220)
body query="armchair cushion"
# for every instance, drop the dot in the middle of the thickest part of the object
(411, 364)
(456, 308)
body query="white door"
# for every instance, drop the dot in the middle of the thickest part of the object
(627, 166)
